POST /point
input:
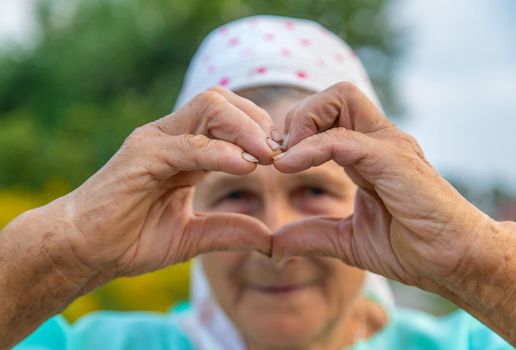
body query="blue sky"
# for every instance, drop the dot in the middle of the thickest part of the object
(457, 81)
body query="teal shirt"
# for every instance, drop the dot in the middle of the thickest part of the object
(407, 329)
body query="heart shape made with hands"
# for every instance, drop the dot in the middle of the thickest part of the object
(314, 236)
(144, 195)
(400, 204)
(316, 126)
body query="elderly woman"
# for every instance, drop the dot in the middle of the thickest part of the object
(297, 194)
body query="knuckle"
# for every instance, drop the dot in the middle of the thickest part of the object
(161, 124)
(345, 88)
(209, 103)
(261, 114)
(407, 141)
(218, 89)
(195, 142)
(412, 146)
(341, 132)
(137, 136)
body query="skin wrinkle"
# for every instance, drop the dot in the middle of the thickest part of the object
(350, 257)
(318, 127)
(93, 213)
(491, 274)
(47, 299)
(76, 228)
(165, 211)
(461, 301)
(337, 147)
(390, 240)
(203, 227)
(404, 270)
(344, 112)
(56, 262)
(372, 219)
(182, 244)
(473, 287)
(162, 203)
(417, 216)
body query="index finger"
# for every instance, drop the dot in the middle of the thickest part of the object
(212, 114)
(342, 104)
(228, 232)
(258, 114)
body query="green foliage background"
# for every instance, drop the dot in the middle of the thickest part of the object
(99, 68)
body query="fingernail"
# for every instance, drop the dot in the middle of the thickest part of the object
(273, 144)
(276, 135)
(285, 141)
(249, 157)
(279, 155)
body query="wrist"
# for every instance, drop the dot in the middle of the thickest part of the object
(39, 249)
(478, 261)
(484, 283)
(39, 275)
(64, 246)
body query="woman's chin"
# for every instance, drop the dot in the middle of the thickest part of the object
(290, 317)
(281, 331)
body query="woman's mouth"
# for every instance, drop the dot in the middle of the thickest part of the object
(279, 289)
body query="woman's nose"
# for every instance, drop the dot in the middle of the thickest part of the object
(277, 212)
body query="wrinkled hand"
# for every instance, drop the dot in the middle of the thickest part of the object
(135, 215)
(409, 224)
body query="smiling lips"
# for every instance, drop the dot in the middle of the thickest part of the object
(279, 289)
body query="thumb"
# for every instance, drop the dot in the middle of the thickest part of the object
(316, 236)
(227, 232)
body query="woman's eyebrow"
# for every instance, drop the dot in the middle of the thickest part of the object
(222, 181)
(320, 176)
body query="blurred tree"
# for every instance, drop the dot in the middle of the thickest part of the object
(99, 68)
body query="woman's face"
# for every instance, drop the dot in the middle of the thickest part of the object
(305, 298)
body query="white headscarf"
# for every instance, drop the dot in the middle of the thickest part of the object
(256, 51)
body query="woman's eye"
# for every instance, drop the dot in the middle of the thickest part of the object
(235, 195)
(312, 199)
(240, 201)
(315, 191)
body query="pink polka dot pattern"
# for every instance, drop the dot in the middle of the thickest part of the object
(285, 52)
(273, 50)
(289, 24)
(233, 41)
(224, 81)
(269, 36)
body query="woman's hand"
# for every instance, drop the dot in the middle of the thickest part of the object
(409, 224)
(135, 215)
